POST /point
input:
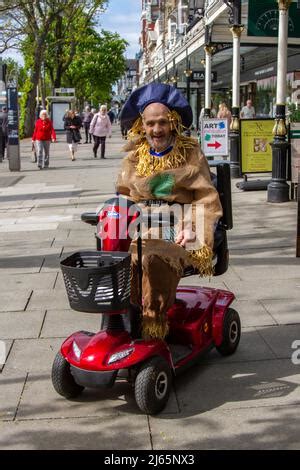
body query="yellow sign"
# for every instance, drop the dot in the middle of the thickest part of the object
(256, 150)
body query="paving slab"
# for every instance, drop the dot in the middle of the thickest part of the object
(92, 402)
(281, 338)
(48, 404)
(59, 284)
(268, 428)
(62, 323)
(233, 386)
(14, 301)
(262, 289)
(7, 349)
(21, 325)
(52, 263)
(11, 387)
(21, 264)
(17, 282)
(32, 355)
(256, 242)
(281, 271)
(252, 313)
(128, 432)
(48, 299)
(285, 311)
(252, 347)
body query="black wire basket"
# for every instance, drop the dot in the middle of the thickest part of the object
(97, 281)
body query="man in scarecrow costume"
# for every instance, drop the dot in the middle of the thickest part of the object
(164, 168)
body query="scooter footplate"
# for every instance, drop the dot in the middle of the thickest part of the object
(179, 352)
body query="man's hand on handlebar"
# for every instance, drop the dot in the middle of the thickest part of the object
(184, 237)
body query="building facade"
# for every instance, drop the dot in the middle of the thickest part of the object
(129, 81)
(176, 32)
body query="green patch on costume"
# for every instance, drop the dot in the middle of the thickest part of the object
(162, 185)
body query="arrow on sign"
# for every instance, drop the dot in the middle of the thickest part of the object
(216, 145)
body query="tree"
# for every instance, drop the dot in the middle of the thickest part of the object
(98, 63)
(25, 24)
(14, 72)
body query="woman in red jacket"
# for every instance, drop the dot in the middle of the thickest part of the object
(42, 135)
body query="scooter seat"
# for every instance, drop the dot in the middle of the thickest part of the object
(220, 237)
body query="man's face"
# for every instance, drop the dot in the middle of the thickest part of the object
(43, 116)
(249, 103)
(157, 126)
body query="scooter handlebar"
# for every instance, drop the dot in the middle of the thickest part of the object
(158, 219)
(90, 218)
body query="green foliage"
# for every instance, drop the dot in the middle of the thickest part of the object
(99, 62)
(25, 90)
(25, 85)
(294, 111)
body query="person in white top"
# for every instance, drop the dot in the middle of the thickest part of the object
(248, 111)
(100, 128)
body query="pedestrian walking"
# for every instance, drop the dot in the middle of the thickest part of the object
(73, 124)
(3, 132)
(100, 128)
(124, 131)
(111, 116)
(213, 113)
(224, 113)
(248, 111)
(87, 117)
(43, 134)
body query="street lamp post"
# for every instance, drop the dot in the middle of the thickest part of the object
(209, 50)
(236, 30)
(188, 73)
(174, 76)
(278, 189)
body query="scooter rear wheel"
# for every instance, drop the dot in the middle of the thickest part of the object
(153, 385)
(231, 333)
(62, 379)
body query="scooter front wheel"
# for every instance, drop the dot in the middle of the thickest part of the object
(153, 385)
(62, 379)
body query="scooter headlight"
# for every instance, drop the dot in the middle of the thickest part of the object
(120, 355)
(76, 350)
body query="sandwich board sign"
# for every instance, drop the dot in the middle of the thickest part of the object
(214, 137)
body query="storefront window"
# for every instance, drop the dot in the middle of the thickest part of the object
(265, 99)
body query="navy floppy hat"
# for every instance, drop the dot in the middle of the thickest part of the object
(155, 93)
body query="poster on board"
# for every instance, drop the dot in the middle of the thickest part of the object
(256, 150)
(214, 138)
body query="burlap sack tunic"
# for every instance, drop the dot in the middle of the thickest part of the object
(183, 178)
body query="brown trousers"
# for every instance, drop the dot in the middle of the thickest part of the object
(159, 292)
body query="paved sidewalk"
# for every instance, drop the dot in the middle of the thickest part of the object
(248, 401)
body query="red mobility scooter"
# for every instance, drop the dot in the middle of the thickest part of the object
(99, 282)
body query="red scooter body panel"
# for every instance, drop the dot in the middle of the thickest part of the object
(197, 319)
(113, 226)
(224, 300)
(97, 349)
